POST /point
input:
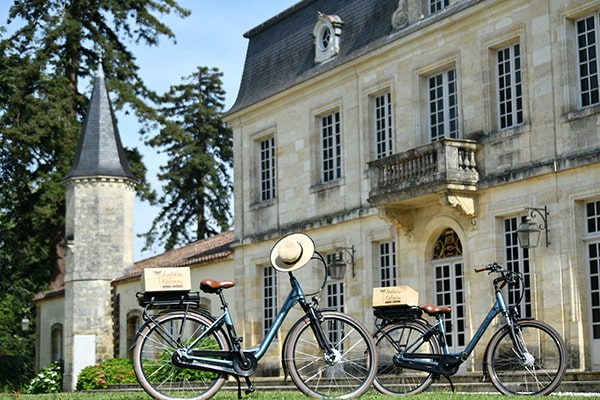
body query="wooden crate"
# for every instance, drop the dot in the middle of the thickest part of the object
(394, 296)
(166, 279)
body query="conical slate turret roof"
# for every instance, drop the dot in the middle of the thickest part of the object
(100, 151)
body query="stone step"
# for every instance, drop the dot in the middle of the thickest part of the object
(574, 382)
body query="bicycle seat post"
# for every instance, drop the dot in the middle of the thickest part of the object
(224, 304)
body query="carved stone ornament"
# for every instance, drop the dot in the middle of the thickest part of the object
(398, 217)
(464, 204)
(400, 16)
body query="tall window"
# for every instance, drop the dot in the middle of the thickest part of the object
(383, 125)
(331, 147)
(443, 105)
(387, 264)
(517, 260)
(437, 5)
(592, 243)
(269, 297)
(267, 169)
(510, 93)
(334, 292)
(587, 60)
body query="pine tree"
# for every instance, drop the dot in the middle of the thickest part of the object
(197, 193)
(46, 71)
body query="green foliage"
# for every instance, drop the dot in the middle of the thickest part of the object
(15, 371)
(197, 176)
(109, 372)
(49, 380)
(47, 59)
(286, 395)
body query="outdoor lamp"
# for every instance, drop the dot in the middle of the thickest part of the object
(529, 231)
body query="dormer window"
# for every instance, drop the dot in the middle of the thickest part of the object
(327, 33)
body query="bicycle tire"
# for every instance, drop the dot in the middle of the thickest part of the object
(153, 349)
(349, 375)
(390, 341)
(540, 374)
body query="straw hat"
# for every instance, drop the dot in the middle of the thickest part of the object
(292, 252)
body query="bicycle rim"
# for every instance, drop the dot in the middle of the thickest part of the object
(152, 364)
(348, 375)
(540, 372)
(393, 339)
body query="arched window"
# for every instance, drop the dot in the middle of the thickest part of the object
(56, 342)
(133, 324)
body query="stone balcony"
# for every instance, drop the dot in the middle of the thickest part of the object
(443, 170)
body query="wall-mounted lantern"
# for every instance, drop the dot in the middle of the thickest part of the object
(337, 267)
(529, 230)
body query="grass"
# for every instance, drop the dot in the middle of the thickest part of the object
(267, 395)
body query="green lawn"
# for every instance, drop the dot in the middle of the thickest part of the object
(265, 395)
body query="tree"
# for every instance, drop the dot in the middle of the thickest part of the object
(197, 193)
(46, 67)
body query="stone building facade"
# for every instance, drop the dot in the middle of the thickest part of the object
(412, 138)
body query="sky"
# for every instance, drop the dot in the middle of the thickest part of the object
(211, 36)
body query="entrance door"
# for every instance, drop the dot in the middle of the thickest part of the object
(593, 250)
(449, 288)
(592, 244)
(449, 291)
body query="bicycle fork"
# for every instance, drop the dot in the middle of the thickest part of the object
(526, 359)
(331, 354)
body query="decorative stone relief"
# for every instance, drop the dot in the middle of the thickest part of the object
(398, 217)
(327, 33)
(400, 16)
(462, 203)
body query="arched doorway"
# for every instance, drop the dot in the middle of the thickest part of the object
(449, 288)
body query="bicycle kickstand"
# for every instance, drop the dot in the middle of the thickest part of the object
(250, 389)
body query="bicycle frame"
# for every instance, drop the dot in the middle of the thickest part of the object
(418, 361)
(205, 359)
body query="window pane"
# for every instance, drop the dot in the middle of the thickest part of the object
(331, 147)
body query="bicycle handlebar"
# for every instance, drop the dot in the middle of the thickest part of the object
(506, 277)
(493, 267)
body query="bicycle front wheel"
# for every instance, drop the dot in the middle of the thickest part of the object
(394, 339)
(158, 340)
(541, 368)
(346, 374)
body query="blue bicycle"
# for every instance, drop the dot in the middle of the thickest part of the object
(185, 353)
(524, 356)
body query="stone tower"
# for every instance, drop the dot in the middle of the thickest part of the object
(99, 235)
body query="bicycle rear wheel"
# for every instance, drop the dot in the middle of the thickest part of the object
(394, 339)
(348, 374)
(158, 340)
(542, 369)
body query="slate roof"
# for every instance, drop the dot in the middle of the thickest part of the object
(215, 248)
(100, 152)
(281, 54)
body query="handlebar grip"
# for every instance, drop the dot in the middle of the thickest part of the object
(481, 269)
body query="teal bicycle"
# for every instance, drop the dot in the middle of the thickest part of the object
(524, 356)
(185, 353)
